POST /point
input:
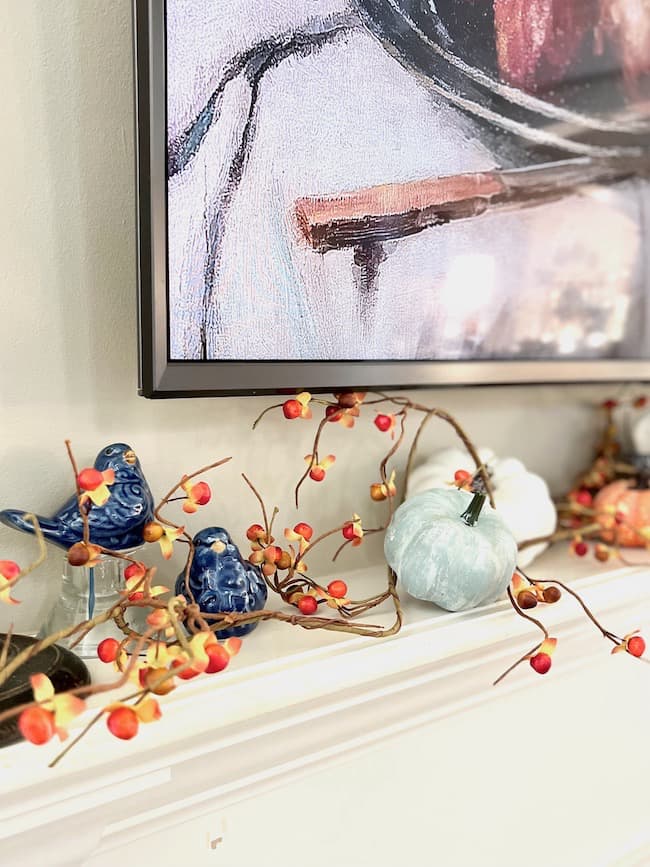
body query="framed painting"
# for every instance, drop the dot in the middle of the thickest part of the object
(384, 193)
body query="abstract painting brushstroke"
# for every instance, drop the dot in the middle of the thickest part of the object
(408, 179)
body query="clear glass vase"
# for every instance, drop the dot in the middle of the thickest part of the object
(85, 593)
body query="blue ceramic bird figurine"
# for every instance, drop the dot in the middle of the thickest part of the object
(117, 524)
(222, 580)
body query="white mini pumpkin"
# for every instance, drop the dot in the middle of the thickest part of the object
(522, 498)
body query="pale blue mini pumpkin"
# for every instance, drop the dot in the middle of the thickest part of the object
(446, 548)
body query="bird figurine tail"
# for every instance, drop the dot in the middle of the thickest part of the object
(18, 520)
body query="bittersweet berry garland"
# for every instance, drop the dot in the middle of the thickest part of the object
(180, 641)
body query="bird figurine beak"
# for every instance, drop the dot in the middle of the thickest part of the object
(218, 546)
(130, 457)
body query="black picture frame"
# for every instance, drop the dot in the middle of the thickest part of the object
(160, 377)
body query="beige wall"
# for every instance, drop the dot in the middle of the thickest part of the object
(68, 324)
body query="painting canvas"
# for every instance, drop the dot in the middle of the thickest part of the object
(407, 179)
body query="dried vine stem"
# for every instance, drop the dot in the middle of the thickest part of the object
(185, 535)
(312, 462)
(80, 503)
(6, 644)
(225, 620)
(40, 557)
(292, 581)
(529, 653)
(26, 654)
(259, 499)
(179, 485)
(542, 583)
(469, 445)
(604, 632)
(295, 580)
(560, 535)
(383, 473)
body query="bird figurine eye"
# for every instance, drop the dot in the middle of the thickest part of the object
(218, 547)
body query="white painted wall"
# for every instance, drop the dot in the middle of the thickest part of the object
(68, 323)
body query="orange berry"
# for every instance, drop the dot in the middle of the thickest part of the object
(135, 570)
(540, 663)
(348, 399)
(636, 645)
(78, 554)
(317, 474)
(255, 532)
(377, 492)
(584, 497)
(90, 479)
(9, 569)
(149, 677)
(304, 530)
(602, 553)
(580, 548)
(201, 493)
(526, 599)
(152, 531)
(291, 409)
(551, 594)
(123, 723)
(107, 649)
(383, 422)
(188, 674)
(219, 658)
(307, 605)
(284, 560)
(233, 645)
(272, 553)
(36, 725)
(337, 589)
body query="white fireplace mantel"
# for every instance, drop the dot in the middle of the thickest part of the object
(322, 748)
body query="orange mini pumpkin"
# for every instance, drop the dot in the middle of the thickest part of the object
(623, 509)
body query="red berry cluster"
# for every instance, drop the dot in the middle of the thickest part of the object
(532, 595)
(346, 408)
(272, 557)
(157, 674)
(580, 548)
(638, 402)
(334, 596)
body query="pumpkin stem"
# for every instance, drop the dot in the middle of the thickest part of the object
(642, 473)
(473, 510)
